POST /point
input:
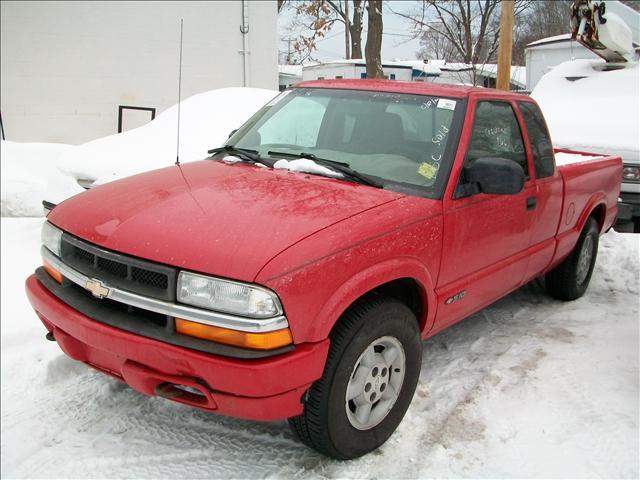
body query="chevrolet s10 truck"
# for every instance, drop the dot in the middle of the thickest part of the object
(294, 273)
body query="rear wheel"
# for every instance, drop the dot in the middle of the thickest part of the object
(369, 379)
(570, 279)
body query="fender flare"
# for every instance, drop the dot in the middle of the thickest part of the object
(597, 199)
(369, 279)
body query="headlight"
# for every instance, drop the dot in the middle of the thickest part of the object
(631, 173)
(226, 296)
(51, 237)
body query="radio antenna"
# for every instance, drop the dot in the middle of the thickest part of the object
(179, 96)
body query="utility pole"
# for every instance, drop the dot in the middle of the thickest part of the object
(504, 45)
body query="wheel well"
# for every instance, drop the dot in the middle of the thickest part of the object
(598, 214)
(407, 290)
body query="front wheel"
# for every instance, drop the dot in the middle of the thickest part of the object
(368, 382)
(570, 279)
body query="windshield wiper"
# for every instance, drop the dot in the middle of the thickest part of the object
(341, 167)
(243, 154)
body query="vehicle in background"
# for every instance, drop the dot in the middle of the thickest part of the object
(593, 104)
(206, 120)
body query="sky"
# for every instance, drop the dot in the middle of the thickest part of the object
(396, 40)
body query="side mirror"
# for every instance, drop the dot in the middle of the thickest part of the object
(495, 175)
(232, 132)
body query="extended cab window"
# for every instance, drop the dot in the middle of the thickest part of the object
(496, 133)
(541, 147)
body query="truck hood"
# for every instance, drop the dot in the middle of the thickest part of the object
(209, 217)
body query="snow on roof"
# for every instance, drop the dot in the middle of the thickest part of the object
(557, 38)
(592, 109)
(518, 73)
(358, 61)
(435, 67)
(455, 67)
(294, 70)
(429, 66)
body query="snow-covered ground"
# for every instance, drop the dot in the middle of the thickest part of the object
(25, 170)
(529, 387)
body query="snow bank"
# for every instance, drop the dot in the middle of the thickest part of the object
(24, 171)
(206, 120)
(595, 110)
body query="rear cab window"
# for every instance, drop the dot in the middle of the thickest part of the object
(541, 146)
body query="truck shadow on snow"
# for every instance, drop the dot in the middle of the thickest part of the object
(149, 433)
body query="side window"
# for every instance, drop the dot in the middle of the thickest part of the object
(541, 147)
(496, 133)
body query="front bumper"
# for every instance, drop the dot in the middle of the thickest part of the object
(628, 206)
(261, 389)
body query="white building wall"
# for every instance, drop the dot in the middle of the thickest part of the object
(66, 66)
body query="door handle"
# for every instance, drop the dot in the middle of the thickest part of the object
(531, 203)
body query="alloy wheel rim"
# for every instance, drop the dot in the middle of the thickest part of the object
(584, 261)
(375, 383)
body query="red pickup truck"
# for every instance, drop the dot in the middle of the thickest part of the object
(294, 273)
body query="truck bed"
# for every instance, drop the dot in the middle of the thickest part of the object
(588, 179)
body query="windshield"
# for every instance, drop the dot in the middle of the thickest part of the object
(398, 139)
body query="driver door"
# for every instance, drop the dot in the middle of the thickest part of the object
(486, 236)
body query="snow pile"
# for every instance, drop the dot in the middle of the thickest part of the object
(592, 110)
(529, 387)
(32, 172)
(206, 120)
(25, 168)
(564, 158)
(306, 165)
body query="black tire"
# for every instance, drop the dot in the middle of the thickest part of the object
(324, 424)
(564, 282)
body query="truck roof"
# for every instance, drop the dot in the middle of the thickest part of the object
(395, 86)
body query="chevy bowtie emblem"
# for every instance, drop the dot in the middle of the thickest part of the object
(96, 288)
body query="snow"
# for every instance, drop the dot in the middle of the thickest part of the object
(24, 170)
(564, 158)
(556, 38)
(206, 120)
(293, 70)
(528, 387)
(32, 172)
(598, 113)
(306, 165)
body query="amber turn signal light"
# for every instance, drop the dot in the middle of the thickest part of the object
(256, 341)
(55, 274)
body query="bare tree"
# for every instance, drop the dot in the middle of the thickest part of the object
(540, 20)
(374, 39)
(314, 18)
(435, 46)
(355, 29)
(634, 4)
(460, 30)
